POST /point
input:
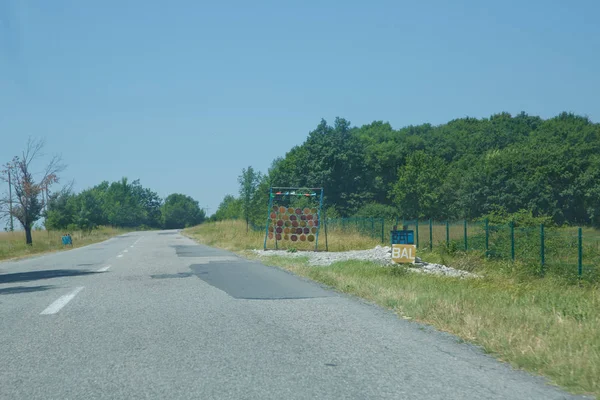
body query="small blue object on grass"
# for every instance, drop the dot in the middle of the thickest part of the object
(66, 240)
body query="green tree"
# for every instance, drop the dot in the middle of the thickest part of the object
(249, 181)
(376, 210)
(60, 210)
(522, 162)
(180, 211)
(130, 204)
(88, 210)
(229, 208)
(418, 191)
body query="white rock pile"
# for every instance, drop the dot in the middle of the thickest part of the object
(380, 255)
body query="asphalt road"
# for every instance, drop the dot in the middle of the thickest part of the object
(155, 316)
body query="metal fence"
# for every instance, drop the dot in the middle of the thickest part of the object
(567, 252)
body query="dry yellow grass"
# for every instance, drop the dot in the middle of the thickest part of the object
(232, 235)
(545, 326)
(12, 244)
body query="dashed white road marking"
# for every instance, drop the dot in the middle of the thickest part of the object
(125, 251)
(61, 302)
(104, 269)
(120, 255)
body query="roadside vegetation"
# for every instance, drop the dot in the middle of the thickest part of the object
(232, 235)
(12, 244)
(548, 326)
(469, 168)
(30, 204)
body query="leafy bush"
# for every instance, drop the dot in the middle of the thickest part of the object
(521, 218)
(375, 210)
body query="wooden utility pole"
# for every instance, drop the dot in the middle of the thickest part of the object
(10, 210)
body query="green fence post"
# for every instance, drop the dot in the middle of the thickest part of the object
(580, 251)
(326, 242)
(382, 230)
(466, 243)
(542, 249)
(430, 235)
(487, 236)
(417, 232)
(512, 240)
(447, 234)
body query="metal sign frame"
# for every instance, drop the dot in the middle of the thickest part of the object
(276, 192)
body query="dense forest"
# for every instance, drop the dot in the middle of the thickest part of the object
(120, 204)
(467, 168)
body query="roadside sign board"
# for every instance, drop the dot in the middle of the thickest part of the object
(404, 253)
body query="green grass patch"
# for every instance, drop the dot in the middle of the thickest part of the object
(548, 326)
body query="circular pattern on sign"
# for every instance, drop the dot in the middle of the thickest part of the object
(294, 238)
(293, 218)
(276, 208)
(282, 210)
(279, 222)
(298, 211)
(271, 229)
(286, 230)
(286, 237)
(311, 223)
(290, 210)
(303, 217)
(279, 230)
(285, 217)
(302, 238)
(273, 215)
(271, 235)
(303, 223)
(309, 217)
(316, 222)
(306, 210)
(278, 237)
(307, 230)
(288, 223)
(313, 229)
(310, 238)
(313, 211)
(294, 223)
(299, 231)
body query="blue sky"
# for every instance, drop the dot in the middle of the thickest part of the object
(183, 95)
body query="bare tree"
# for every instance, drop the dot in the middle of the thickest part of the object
(30, 193)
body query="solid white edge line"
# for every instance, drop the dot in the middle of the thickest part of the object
(61, 302)
(125, 251)
(104, 269)
(120, 255)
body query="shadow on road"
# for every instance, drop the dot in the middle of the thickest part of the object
(44, 274)
(24, 289)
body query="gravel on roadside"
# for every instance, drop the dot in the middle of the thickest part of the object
(380, 255)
